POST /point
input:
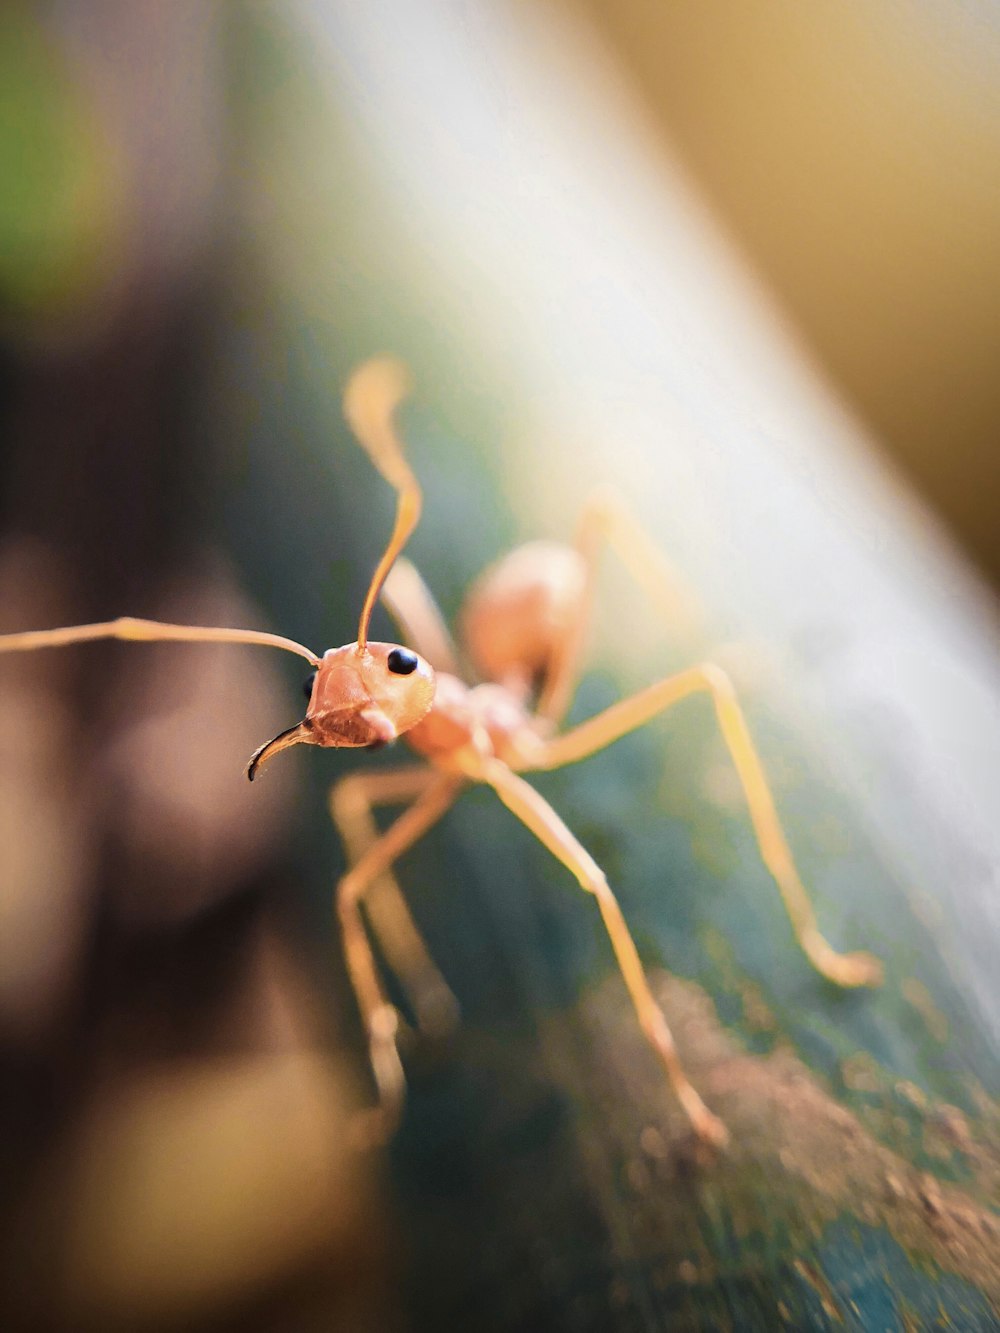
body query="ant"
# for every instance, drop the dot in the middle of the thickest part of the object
(523, 627)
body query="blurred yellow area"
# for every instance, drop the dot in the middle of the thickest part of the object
(185, 1192)
(853, 152)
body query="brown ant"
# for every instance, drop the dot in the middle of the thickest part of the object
(522, 626)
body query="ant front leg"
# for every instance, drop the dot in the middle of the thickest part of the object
(538, 816)
(607, 522)
(850, 969)
(352, 801)
(378, 1015)
(411, 604)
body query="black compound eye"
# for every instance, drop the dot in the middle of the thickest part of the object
(307, 686)
(402, 662)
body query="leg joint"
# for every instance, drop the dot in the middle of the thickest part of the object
(595, 881)
(717, 680)
(348, 892)
(383, 1024)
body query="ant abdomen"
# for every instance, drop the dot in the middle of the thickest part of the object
(519, 611)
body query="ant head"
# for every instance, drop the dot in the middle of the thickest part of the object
(368, 696)
(359, 697)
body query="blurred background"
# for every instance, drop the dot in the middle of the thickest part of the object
(739, 263)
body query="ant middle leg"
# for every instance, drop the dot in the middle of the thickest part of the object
(352, 802)
(379, 1016)
(845, 969)
(411, 604)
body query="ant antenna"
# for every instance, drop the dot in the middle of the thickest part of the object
(148, 631)
(372, 395)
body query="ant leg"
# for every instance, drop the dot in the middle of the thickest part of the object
(850, 969)
(351, 804)
(606, 521)
(379, 1016)
(538, 816)
(411, 604)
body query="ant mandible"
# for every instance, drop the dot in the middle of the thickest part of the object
(523, 626)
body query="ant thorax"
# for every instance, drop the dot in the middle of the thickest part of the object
(488, 718)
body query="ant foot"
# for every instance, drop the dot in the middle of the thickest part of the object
(854, 969)
(710, 1129)
(843, 969)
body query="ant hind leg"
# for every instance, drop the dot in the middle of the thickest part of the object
(606, 522)
(844, 969)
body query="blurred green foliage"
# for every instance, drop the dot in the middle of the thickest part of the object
(59, 206)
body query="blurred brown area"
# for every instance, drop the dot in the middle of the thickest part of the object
(173, 1099)
(173, 1102)
(853, 152)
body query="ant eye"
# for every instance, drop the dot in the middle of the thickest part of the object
(402, 662)
(307, 686)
